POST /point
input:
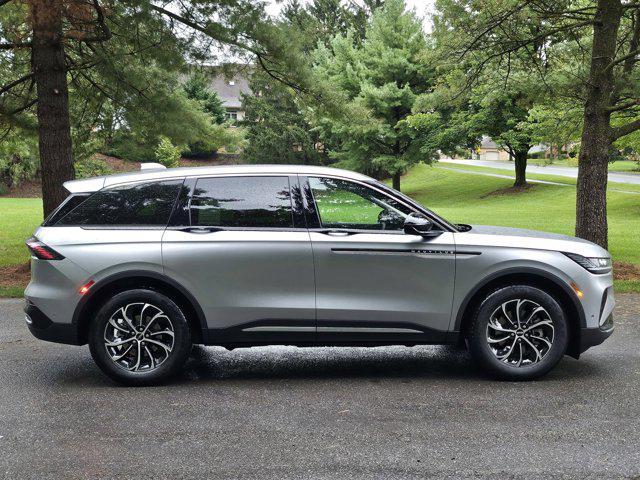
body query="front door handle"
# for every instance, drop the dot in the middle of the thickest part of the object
(336, 233)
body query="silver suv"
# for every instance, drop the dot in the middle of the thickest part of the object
(142, 265)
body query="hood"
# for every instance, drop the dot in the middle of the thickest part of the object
(532, 239)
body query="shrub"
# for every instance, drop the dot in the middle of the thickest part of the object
(126, 147)
(167, 153)
(572, 161)
(92, 167)
(18, 158)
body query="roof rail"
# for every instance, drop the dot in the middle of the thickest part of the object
(149, 166)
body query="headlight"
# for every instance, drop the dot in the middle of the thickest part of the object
(592, 264)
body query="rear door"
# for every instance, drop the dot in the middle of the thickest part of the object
(242, 249)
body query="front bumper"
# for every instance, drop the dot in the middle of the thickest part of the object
(44, 328)
(590, 337)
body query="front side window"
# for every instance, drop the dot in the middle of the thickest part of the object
(246, 202)
(146, 204)
(349, 205)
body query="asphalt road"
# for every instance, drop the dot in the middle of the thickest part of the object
(288, 413)
(571, 172)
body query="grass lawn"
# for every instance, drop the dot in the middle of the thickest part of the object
(18, 219)
(466, 198)
(459, 197)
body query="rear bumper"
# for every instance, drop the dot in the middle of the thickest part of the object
(590, 337)
(43, 328)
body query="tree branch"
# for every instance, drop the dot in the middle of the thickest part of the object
(628, 57)
(623, 106)
(277, 76)
(20, 80)
(206, 29)
(623, 130)
(24, 107)
(13, 46)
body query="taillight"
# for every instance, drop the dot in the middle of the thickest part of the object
(42, 251)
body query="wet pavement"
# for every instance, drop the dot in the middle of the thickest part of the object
(285, 412)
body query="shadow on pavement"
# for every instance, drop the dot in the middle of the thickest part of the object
(215, 364)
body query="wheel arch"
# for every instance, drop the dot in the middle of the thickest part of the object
(545, 281)
(124, 281)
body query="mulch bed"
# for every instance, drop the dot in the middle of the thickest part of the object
(509, 191)
(15, 275)
(626, 271)
(117, 164)
(28, 189)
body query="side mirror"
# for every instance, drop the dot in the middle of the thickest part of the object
(419, 224)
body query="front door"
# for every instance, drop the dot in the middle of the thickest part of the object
(373, 281)
(246, 257)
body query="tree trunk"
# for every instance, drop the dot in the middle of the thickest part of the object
(396, 181)
(521, 167)
(54, 130)
(591, 198)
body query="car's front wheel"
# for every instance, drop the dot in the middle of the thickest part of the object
(518, 333)
(140, 337)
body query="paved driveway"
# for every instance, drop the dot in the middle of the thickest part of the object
(571, 172)
(291, 413)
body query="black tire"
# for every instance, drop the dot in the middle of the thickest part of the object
(167, 365)
(487, 358)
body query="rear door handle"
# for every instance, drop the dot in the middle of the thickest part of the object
(199, 229)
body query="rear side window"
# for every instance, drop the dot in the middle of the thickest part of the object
(250, 202)
(147, 204)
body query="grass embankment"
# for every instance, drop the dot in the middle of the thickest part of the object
(460, 197)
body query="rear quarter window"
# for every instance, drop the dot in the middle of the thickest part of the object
(71, 202)
(147, 204)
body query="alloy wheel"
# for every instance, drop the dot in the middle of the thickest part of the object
(139, 337)
(520, 332)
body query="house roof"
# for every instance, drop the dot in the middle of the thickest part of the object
(488, 143)
(230, 89)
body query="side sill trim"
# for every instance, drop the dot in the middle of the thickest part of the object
(367, 330)
(279, 329)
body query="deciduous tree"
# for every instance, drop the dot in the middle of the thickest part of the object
(604, 39)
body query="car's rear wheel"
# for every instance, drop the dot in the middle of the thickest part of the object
(140, 337)
(518, 333)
